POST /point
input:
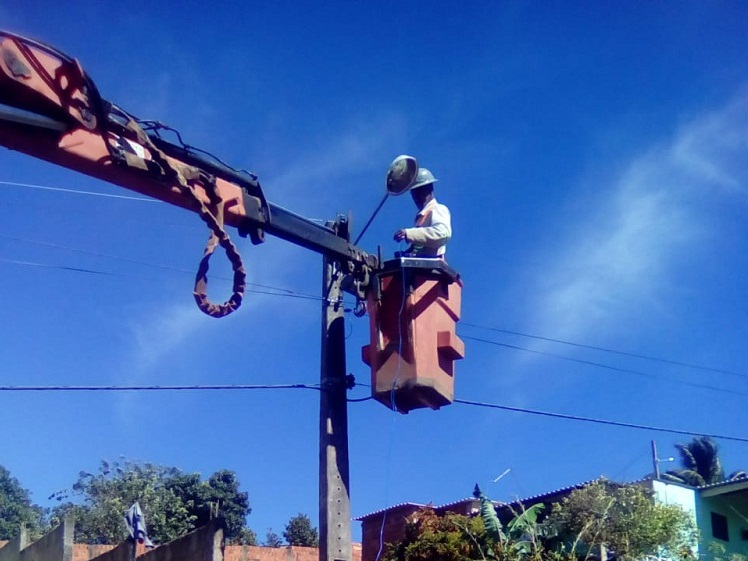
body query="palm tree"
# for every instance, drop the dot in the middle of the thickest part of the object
(701, 464)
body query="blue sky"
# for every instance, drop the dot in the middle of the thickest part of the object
(593, 156)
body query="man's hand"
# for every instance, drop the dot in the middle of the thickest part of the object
(400, 236)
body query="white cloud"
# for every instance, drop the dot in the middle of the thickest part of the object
(713, 149)
(158, 335)
(165, 333)
(625, 251)
(154, 338)
(356, 148)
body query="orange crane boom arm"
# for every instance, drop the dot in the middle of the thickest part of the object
(51, 109)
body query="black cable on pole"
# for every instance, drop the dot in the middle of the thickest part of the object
(598, 421)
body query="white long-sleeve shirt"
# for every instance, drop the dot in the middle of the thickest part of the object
(432, 230)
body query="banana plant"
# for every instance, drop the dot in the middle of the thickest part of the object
(519, 536)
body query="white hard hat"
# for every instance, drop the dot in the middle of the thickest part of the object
(424, 177)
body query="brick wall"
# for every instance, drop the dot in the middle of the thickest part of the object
(255, 553)
(375, 535)
(287, 553)
(84, 552)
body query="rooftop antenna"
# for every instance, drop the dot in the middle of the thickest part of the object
(507, 470)
(400, 176)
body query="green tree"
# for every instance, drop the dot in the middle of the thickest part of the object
(625, 520)
(16, 509)
(299, 531)
(272, 539)
(173, 502)
(218, 495)
(451, 537)
(701, 464)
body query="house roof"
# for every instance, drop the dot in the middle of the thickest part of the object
(733, 484)
(724, 487)
(528, 500)
(551, 494)
(387, 509)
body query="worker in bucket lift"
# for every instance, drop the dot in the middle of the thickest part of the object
(433, 228)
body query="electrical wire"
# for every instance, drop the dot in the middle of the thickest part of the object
(61, 267)
(214, 387)
(269, 292)
(621, 473)
(607, 350)
(276, 291)
(607, 366)
(284, 291)
(594, 420)
(290, 293)
(155, 126)
(318, 387)
(79, 192)
(393, 404)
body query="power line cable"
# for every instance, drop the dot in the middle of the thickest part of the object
(125, 197)
(467, 324)
(586, 419)
(606, 366)
(158, 125)
(141, 199)
(622, 472)
(78, 192)
(147, 264)
(598, 421)
(215, 387)
(61, 267)
(318, 387)
(270, 292)
(607, 350)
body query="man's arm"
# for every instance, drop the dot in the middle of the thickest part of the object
(435, 235)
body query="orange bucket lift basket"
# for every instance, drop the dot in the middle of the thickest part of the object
(414, 306)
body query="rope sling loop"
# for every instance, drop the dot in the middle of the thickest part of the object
(181, 173)
(218, 236)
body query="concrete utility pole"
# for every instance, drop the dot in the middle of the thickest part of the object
(334, 495)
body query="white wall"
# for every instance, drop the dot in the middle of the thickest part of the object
(672, 494)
